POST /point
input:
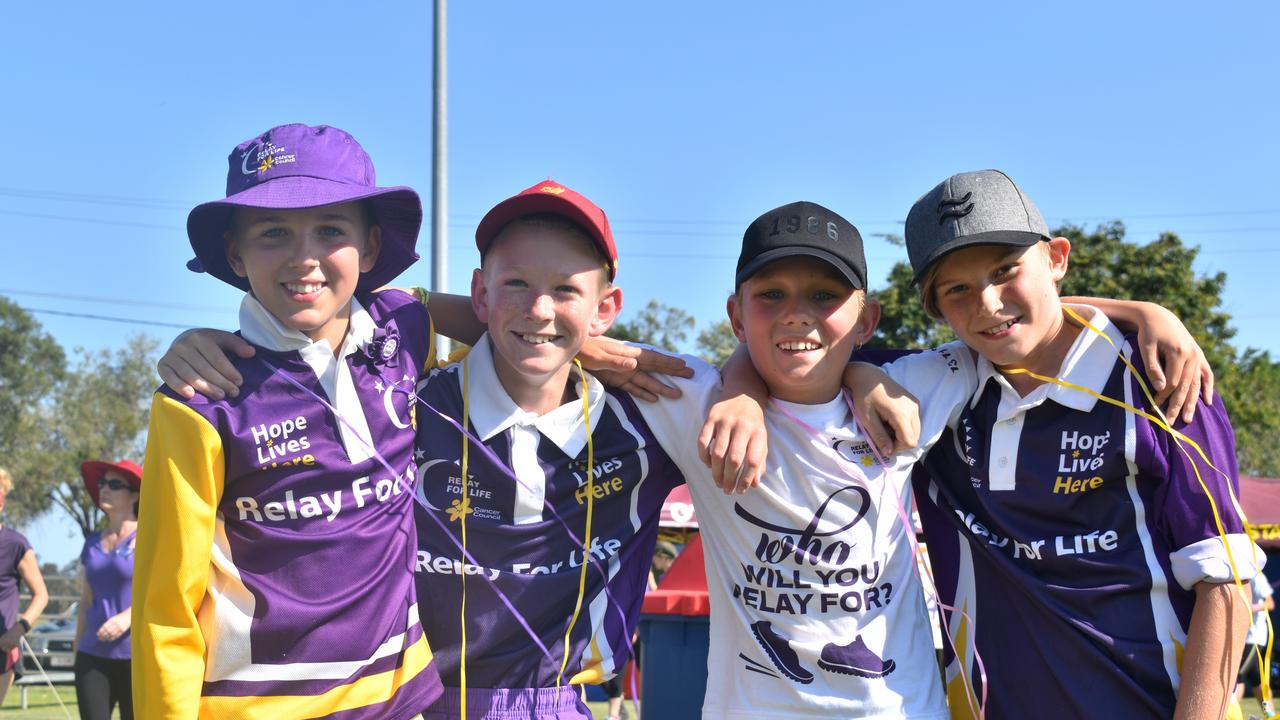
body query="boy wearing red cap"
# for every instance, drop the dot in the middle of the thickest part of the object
(269, 517)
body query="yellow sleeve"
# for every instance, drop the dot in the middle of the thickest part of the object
(183, 477)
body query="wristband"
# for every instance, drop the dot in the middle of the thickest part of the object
(26, 626)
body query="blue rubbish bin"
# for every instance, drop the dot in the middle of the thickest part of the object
(675, 637)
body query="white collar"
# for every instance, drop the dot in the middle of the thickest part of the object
(260, 327)
(492, 410)
(1088, 364)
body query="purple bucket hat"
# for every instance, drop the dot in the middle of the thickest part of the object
(298, 166)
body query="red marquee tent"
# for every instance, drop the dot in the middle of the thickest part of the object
(1260, 498)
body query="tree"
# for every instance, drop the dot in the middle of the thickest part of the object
(31, 364)
(657, 324)
(1102, 264)
(717, 342)
(99, 412)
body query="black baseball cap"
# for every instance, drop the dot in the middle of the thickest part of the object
(803, 228)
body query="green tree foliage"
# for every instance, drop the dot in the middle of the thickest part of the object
(31, 365)
(717, 342)
(98, 413)
(1102, 264)
(657, 324)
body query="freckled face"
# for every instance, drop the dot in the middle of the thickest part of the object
(800, 319)
(542, 292)
(303, 265)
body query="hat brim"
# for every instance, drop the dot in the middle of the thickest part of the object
(520, 205)
(397, 210)
(93, 470)
(1012, 238)
(758, 262)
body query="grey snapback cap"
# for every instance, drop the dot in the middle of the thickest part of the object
(972, 208)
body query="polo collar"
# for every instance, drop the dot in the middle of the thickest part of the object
(492, 410)
(1088, 363)
(260, 327)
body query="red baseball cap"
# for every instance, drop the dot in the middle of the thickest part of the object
(93, 470)
(551, 197)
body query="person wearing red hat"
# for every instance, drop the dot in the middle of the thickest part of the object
(103, 678)
(17, 563)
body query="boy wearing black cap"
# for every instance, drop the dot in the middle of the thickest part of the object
(817, 610)
(1090, 544)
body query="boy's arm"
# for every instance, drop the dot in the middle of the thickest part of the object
(889, 414)
(1214, 644)
(1162, 337)
(452, 314)
(632, 368)
(176, 520)
(733, 441)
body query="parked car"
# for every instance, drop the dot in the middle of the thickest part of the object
(54, 643)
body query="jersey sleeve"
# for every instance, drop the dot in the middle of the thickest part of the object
(1189, 514)
(942, 379)
(677, 422)
(177, 513)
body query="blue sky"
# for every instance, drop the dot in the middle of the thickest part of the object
(683, 120)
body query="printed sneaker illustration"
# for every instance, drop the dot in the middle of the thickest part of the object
(854, 659)
(778, 648)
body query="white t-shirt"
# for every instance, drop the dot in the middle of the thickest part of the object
(816, 607)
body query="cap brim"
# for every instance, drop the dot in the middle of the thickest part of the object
(520, 205)
(1012, 238)
(397, 210)
(758, 262)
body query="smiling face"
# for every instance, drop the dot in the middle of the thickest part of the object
(801, 320)
(1003, 302)
(542, 292)
(303, 265)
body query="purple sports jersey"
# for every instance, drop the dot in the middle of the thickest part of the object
(1070, 532)
(310, 598)
(13, 546)
(518, 543)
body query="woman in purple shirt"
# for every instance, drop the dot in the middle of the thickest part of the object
(17, 564)
(103, 678)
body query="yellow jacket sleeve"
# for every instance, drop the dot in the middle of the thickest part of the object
(184, 473)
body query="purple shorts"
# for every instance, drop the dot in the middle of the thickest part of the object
(511, 704)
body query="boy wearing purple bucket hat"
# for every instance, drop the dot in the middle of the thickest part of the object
(276, 542)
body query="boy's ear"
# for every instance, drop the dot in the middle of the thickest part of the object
(372, 247)
(732, 307)
(479, 296)
(606, 311)
(868, 319)
(232, 249)
(1058, 250)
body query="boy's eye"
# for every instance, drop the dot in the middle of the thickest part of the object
(275, 232)
(771, 294)
(514, 283)
(567, 289)
(953, 290)
(824, 296)
(331, 231)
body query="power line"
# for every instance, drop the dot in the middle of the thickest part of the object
(106, 318)
(111, 301)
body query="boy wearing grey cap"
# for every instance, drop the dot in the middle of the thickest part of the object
(1088, 545)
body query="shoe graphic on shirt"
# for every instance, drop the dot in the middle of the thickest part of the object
(854, 659)
(778, 648)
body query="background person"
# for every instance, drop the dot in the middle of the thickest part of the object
(103, 678)
(17, 562)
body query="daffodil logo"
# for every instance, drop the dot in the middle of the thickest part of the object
(552, 189)
(459, 509)
(267, 163)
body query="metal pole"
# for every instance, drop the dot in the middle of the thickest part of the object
(439, 167)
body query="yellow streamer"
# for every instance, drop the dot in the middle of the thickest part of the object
(586, 541)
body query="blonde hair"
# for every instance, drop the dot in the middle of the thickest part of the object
(928, 296)
(6, 482)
